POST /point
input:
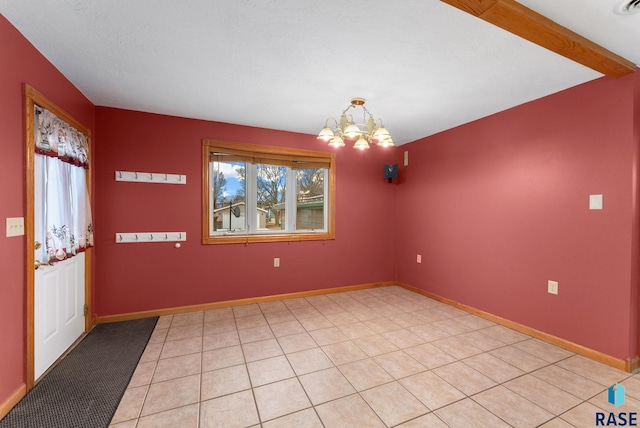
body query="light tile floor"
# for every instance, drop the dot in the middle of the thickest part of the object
(370, 358)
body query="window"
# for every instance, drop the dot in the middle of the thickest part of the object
(254, 193)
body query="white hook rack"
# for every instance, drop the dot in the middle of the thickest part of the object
(128, 238)
(151, 177)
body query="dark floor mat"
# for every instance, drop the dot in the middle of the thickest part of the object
(84, 389)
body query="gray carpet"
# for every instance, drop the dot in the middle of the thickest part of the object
(86, 386)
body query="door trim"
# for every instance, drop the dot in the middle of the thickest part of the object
(32, 98)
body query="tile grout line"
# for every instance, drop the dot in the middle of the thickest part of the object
(246, 368)
(199, 413)
(296, 377)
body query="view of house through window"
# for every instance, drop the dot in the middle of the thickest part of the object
(229, 196)
(259, 193)
(310, 184)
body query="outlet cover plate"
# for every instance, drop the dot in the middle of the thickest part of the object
(552, 287)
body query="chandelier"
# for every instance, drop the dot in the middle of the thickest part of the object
(365, 133)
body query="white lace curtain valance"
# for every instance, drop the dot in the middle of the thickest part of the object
(61, 163)
(56, 138)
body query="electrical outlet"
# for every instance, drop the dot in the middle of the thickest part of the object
(419, 258)
(552, 287)
(276, 262)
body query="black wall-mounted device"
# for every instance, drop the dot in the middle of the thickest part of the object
(391, 171)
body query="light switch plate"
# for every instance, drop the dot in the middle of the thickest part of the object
(595, 202)
(406, 158)
(15, 226)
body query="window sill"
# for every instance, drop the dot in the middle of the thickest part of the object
(283, 237)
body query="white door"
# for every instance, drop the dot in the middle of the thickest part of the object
(58, 290)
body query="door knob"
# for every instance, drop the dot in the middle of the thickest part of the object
(38, 263)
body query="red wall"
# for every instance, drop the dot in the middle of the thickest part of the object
(147, 276)
(499, 206)
(21, 63)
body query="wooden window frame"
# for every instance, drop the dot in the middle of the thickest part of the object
(259, 154)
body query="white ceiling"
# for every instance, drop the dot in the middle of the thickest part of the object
(422, 65)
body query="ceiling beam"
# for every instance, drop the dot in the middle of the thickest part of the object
(530, 25)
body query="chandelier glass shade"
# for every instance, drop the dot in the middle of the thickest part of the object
(363, 133)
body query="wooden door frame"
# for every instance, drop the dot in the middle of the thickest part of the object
(33, 98)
